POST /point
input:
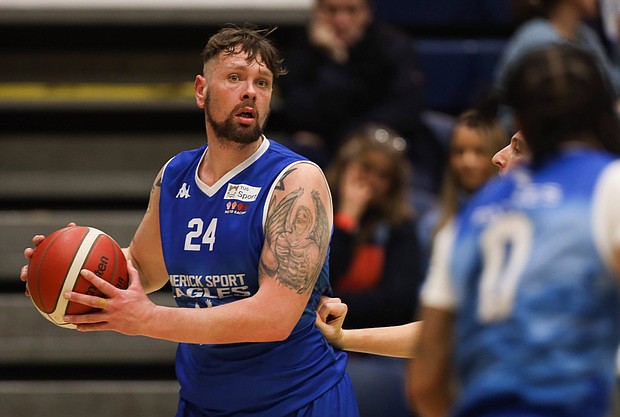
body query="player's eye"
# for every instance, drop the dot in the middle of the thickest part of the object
(234, 77)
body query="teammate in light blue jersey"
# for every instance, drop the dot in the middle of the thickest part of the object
(240, 228)
(523, 302)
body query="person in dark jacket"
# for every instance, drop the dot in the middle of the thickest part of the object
(347, 69)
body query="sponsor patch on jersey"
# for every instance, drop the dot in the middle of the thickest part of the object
(241, 192)
(236, 207)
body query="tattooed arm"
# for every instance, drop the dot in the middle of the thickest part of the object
(296, 236)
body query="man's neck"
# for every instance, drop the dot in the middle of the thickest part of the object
(222, 156)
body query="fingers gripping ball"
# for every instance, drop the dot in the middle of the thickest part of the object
(56, 264)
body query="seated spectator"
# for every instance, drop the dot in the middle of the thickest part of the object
(375, 263)
(347, 69)
(374, 258)
(477, 136)
(610, 21)
(553, 21)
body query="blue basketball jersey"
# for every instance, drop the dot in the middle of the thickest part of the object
(212, 238)
(538, 306)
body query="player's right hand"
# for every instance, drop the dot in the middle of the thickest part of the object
(323, 36)
(37, 239)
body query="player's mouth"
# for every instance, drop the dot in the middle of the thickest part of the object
(246, 115)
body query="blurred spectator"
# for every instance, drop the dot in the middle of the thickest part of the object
(346, 69)
(375, 263)
(610, 14)
(554, 21)
(610, 19)
(476, 137)
(374, 258)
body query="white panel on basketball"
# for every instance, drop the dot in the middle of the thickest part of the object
(82, 252)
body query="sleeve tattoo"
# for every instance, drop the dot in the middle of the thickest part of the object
(297, 237)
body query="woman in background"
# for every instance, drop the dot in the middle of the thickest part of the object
(375, 258)
(477, 137)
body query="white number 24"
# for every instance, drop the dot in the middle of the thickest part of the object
(193, 240)
(506, 245)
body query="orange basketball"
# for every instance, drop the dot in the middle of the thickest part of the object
(56, 264)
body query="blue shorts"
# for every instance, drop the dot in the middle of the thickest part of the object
(339, 401)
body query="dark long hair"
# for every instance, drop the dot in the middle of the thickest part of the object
(560, 94)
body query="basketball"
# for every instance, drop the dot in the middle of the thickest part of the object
(56, 264)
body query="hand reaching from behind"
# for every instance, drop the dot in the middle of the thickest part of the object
(330, 315)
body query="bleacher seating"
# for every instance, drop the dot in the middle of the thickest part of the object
(435, 15)
(457, 71)
(54, 372)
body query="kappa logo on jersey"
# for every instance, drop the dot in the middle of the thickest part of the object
(183, 191)
(242, 192)
(235, 207)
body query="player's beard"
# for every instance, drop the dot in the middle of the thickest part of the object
(234, 132)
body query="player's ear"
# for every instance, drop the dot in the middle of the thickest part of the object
(200, 90)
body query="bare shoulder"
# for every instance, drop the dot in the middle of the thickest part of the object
(306, 180)
(306, 174)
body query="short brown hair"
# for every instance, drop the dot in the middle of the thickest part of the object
(234, 39)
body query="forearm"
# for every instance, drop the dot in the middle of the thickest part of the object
(396, 341)
(431, 384)
(152, 279)
(236, 322)
(435, 404)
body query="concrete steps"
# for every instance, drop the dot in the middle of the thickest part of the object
(88, 398)
(26, 337)
(49, 371)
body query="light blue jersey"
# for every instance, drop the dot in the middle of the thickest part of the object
(212, 238)
(537, 304)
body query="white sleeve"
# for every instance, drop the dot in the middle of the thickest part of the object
(606, 212)
(437, 290)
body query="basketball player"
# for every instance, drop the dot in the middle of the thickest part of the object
(523, 305)
(240, 228)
